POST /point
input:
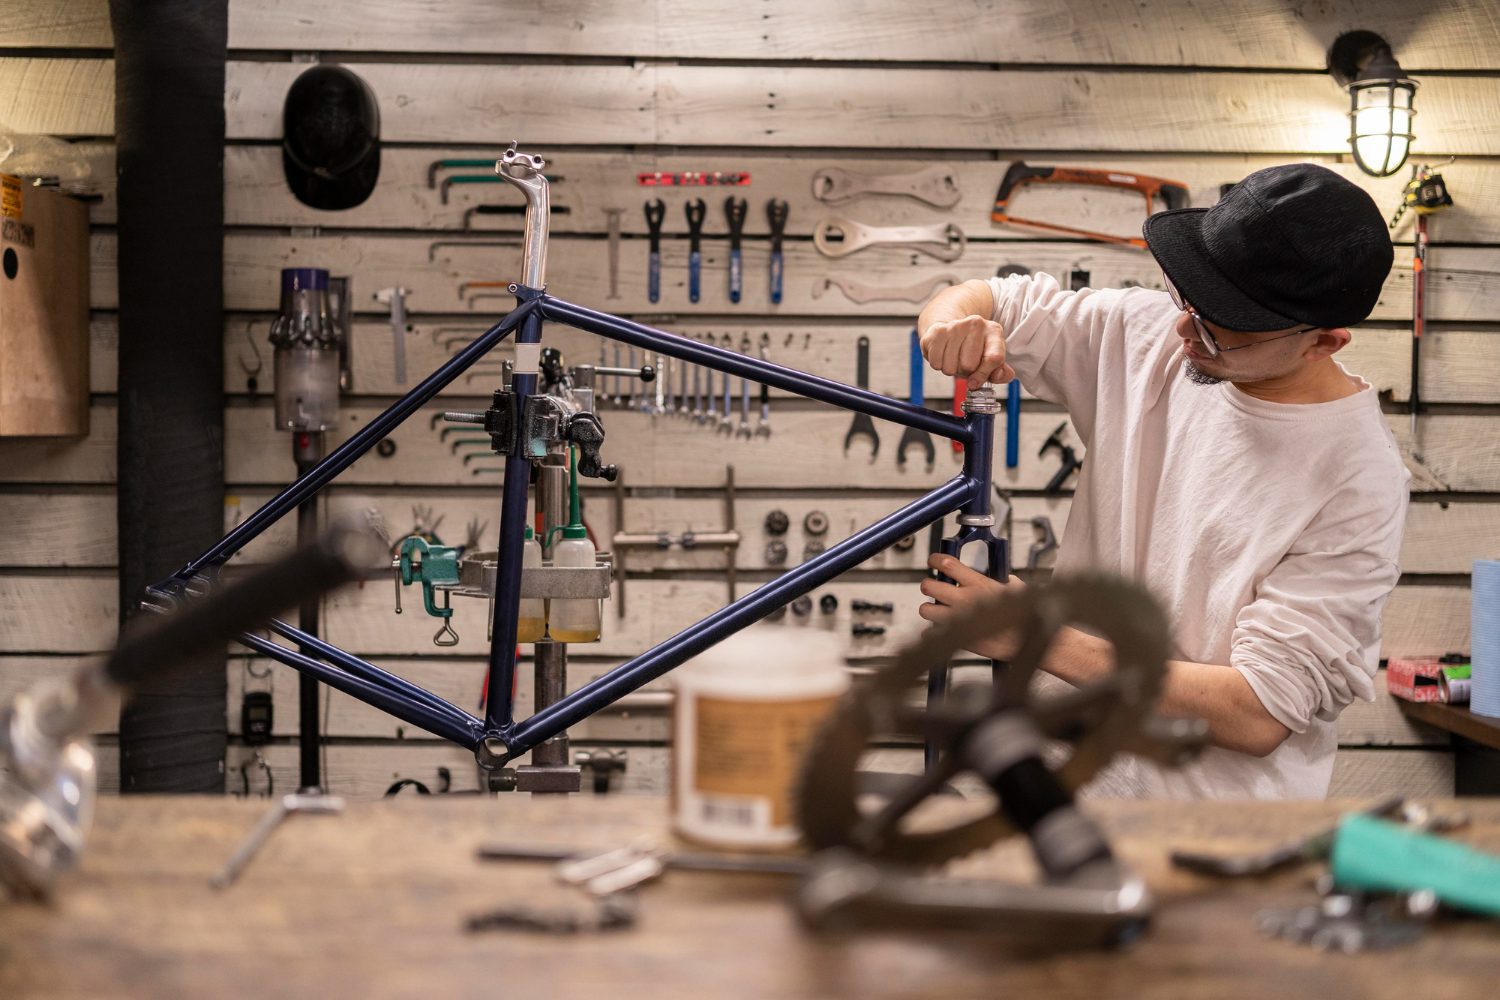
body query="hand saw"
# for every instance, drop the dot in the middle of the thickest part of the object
(1173, 194)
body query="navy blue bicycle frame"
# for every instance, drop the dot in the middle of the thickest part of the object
(498, 737)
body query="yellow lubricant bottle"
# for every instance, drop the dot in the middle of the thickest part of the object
(531, 626)
(573, 619)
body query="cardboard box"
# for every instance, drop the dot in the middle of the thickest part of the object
(44, 312)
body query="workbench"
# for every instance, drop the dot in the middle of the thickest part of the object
(373, 902)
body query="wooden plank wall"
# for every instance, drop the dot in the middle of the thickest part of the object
(1201, 92)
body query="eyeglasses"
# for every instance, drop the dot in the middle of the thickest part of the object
(1212, 348)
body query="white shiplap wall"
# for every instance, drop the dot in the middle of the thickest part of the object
(1203, 93)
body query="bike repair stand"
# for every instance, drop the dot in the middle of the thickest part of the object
(307, 450)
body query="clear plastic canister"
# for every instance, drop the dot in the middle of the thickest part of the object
(307, 389)
(573, 619)
(744, 714)
(531, 625)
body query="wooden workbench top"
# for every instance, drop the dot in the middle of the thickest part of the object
(372, 903)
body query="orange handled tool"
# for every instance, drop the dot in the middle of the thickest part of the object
(1173, 194)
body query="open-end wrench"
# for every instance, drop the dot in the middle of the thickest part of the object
(636, 397)
(615, 396)
(726, 419)
(915, 435)
(745, 430)
(663, 376)
(862, 424)
(711, 411)
(696, 211)
(656, 211)
(776, 212)
(697, 413)
(670, 408)
(682, 390)
(763, 429)
(734, 212)
(613, 217)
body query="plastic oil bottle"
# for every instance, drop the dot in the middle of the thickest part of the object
(573, 619)
(531, 625)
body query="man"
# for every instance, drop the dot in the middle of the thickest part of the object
(1234, 467)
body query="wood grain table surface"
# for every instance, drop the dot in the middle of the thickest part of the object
(373, 903)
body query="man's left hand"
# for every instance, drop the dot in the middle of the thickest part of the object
(968, 588)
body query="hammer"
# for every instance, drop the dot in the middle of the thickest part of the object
(1070, 462)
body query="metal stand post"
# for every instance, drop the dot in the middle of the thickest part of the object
(307, 450)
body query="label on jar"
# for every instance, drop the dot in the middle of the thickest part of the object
(737, 766)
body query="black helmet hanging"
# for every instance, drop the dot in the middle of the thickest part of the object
(330, 145)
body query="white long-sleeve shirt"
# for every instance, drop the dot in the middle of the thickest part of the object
(1269, 531)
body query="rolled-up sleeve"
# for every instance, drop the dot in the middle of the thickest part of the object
(1309, 642)
(1053, 339)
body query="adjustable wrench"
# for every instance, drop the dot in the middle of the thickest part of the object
(776, 212)
(734, 212)
(696, 211)
(745, 430)
(913, 435)
(656, 211)
(726, 421)
(763, 429)
(862, 424)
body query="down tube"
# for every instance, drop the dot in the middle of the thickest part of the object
(751, 608)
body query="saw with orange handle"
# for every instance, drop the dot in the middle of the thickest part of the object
(1173, 194)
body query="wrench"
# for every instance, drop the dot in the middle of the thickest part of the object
(682, 393)
(613, 215)
(637, 398)
(839, 237)
(662, 376)
(318, 805)
(862, 424)
(697, 413)
(937, 185)
(856, 291)
(763, 429)
(734, 212)
(914, 435)
(726, 420)
(744, 430)
(696, 210)
(711, 411)
(615, 396)
(776, 212)
(656, 211)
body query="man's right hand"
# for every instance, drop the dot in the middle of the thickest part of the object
(958, 340)
(971, 348)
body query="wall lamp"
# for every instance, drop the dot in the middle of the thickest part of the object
(1380, 101)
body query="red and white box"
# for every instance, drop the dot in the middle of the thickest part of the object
(1415, 679)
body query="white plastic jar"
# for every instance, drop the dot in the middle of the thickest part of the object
(745, 711)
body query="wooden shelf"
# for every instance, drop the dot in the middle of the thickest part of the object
(1455, 719)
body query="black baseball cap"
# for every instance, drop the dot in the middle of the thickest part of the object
(1287, 246)
(330, 146)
